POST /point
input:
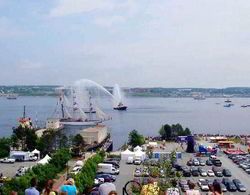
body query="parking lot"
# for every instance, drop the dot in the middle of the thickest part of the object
(127, 173)
(9, 170)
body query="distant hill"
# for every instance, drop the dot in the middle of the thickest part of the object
(49, 90)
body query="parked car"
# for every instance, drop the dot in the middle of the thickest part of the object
(209, 162)
(137, 161)
(217, 171)
(231, 186)
(203, 184)
(210, 173)
(195, 171)
(189, 162)
(130, 160)
(137, 173)
(76, 170)
(226, 173)
(21, 171)
(202, 171)
(240, 187)
(201, 162)
(216, 162)
(186, 172)
(106, 177)
(7, 160)
(225, 181)
(196, 162)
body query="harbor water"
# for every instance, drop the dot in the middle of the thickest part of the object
(144, 114)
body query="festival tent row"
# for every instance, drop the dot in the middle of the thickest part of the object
(138, 153)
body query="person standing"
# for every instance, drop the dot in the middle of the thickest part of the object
(48, 188)
(32, 189)
(69, 187)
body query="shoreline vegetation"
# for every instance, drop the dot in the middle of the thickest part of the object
(49, 90)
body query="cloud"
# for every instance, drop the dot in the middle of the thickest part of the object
(68, 7)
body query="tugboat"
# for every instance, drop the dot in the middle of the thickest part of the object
(228, 101)
(120, 106)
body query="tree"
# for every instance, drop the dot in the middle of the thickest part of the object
(4, 147)
(166, 132)
(187, 131)
(77, 145)
(135, 139)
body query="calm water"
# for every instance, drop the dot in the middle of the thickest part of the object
(144, 114)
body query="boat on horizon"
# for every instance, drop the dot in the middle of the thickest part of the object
(11, 96)
(199, 97)
(228, 101)
(120, 106)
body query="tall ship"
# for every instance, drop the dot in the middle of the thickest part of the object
(78, 110)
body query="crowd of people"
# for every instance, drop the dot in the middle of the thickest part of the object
(68, 188)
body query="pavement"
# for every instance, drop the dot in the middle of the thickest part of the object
(126, 174)
(126, 171)
(9, 170)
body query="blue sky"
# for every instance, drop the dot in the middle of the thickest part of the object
(170, 43)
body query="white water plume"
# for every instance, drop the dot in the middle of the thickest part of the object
(118, 95)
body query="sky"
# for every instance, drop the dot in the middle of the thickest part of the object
(135, 43)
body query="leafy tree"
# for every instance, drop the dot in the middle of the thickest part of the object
(4, 147)
(135, 139)
(78, 140)
(187, 131)
(30, 139)
(166, 132)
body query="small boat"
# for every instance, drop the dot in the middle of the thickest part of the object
(244, 106)
(228, 105)
(120, 106)
(228, 101)
(199, 97)
(11, 96)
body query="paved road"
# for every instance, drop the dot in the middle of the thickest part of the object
(9, 170)
(126, 174)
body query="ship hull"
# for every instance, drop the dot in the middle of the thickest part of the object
(120, 108)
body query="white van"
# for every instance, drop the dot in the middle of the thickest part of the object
(130, 160)
(107, 168)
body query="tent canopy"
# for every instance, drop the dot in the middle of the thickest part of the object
(45, 160)
(35, 151)
(127, 153)
(137, 148)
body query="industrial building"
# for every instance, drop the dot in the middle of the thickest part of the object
(94, 135)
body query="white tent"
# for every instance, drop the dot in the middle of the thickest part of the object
(36, 153)
(127, 153)
(45, 160)
(137, 148)
(140, 154)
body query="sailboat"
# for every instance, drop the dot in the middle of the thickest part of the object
(73, 114)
